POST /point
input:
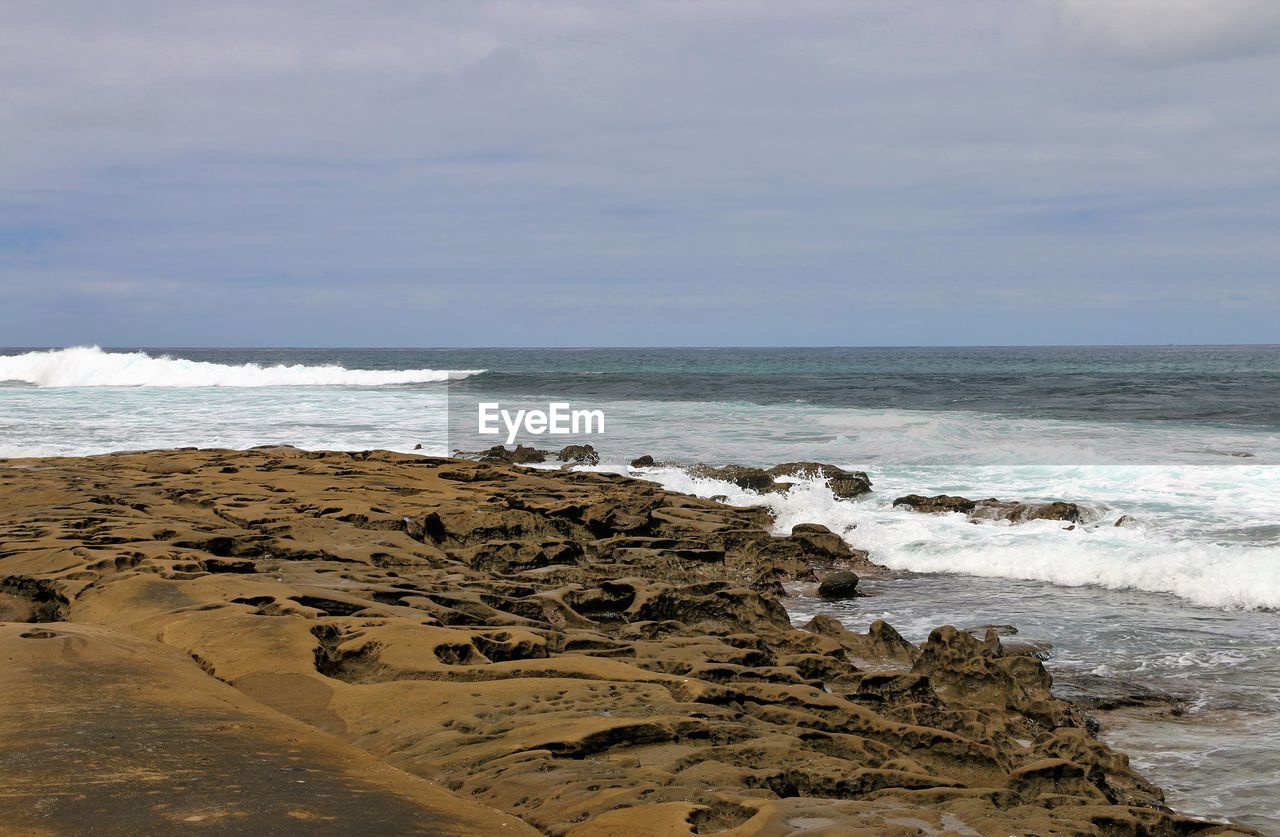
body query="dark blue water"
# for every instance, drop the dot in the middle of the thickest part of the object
(1221, 384)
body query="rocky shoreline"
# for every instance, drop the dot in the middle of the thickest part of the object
(323, 642)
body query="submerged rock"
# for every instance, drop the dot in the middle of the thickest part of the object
(1102, 693)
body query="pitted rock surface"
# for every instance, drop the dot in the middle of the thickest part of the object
(520, 651)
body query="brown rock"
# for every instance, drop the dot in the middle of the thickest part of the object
(825, 548)
(844, 484)
(443, 646)
(743, 476)
(880, 644)
(937, 504)
(519, 455)
(841, 584)
(992, 509)
(579, 454)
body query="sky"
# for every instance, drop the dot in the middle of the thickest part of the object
(650, 172)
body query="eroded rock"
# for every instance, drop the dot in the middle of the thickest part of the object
(582, 651)
(881, 643)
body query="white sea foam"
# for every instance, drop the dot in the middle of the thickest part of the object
(1155, 556)
(92, 367)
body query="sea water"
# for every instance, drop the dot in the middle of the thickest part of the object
(1183, 443)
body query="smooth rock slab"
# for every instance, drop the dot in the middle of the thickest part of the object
(111, 734)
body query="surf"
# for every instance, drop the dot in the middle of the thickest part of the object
(1153, 556)
(90, 366)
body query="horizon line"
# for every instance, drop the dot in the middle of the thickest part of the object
(658, 346)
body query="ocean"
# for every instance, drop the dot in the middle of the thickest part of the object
(1182, 442)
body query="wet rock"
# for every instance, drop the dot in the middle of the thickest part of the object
(645, 461)
(992, 509)
(841, 584)
(579, 454)
(939, 504)
(1099, 692)
(844, 484)
(520, 455)
(743, 476)
(1041, 649)
(1038, 648)
(1019, 512)
(1001, 630)
(825, 547)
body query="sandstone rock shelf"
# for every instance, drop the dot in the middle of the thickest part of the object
(292, 642)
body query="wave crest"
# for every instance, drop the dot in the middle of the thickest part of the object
(90, 366)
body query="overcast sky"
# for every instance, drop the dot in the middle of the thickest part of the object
(733, 172)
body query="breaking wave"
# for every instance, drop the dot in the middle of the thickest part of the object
(1156, 557)
(92, 367)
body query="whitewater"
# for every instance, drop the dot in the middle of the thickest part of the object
(1160, 547)
(92, 367)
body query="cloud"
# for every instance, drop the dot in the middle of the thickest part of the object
(745, 160)
(1167, 31)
